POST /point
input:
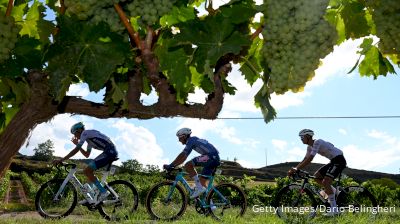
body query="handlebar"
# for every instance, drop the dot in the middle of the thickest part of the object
(65, 165)
(302, 175)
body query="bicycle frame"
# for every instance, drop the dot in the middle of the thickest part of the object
(315, 190)
(180, 178)
(79, 186)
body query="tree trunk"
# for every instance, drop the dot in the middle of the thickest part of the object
(36, 110)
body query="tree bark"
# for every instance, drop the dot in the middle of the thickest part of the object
(37, 109)
(41, 107)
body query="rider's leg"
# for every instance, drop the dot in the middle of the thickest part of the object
(327, 183)
(89, 173)
(189, 167)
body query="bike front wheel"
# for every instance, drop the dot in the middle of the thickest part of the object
(227, 201)
(294, 202)
(356, 199)
(166, 202)
(121, 203)
(48, 205)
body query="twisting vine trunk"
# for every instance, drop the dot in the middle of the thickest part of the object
(36, 110)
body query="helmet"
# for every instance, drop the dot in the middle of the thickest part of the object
(183, 131)
(306, 132)
(77, 126)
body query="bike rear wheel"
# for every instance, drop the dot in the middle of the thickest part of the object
(294, 203)
(356, 199)
(122, 206)
(227, 201)
(162, 206)
(50, 207)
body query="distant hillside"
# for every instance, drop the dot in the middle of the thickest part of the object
(25, 163)
(280, 170)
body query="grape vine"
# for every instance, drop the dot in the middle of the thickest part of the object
(296, 38)
(8, 36)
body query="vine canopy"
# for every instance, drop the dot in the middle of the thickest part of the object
(133, 47)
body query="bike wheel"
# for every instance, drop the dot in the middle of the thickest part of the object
(160, 206)
(49, 207)
(294, 203)
(356, 199)
(227, 201)
(122, 205)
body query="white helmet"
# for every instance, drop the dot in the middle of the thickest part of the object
(183, 131)
(306, 132)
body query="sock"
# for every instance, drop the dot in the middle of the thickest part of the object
(98, 185)
(332, 201)
(197, 181)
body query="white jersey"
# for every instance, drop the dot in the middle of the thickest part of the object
(323, 148)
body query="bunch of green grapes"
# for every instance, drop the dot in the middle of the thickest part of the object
(95, 11)
(109, 16)
(296, 37)
(149, 11)
(386, 15)
(8, 36)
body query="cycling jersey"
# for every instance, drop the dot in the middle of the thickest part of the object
(201, 146)
(323, 148)
(97, 140)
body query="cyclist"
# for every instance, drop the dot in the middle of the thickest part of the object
(209, 159)
(97, 140)
(327, 173)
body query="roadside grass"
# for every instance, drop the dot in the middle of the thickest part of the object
(84, 216)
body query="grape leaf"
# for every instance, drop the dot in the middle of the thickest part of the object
(29, 26)
(354, 18)
(262, 101)
(251, 67)
(374, 63)
(244, 8)
(174, 66)
(90, 51)
(27, 53)
(178, 15)
(213, 38)
(335, 19)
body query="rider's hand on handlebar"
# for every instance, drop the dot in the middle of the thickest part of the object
(292, 171)
(57, 161)
(168, 167)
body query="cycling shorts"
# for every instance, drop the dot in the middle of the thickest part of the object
(334, 168)
(103, 159)
(208, 162)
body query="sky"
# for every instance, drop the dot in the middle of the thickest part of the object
(368, 144)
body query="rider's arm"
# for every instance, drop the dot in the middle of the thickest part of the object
(72, 153)
(179, 159)
(307, 160)
(85, 153)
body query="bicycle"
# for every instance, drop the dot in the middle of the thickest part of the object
(57, 198)
(168, 200)
(296, 199)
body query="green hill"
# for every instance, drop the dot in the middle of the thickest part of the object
(229, 168)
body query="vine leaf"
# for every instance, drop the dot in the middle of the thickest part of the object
(374, 63)
(174, 65)
(213, 38)
(354, 18)
(90, 51)
(178, 15)
(251, 67)
(262, 101)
